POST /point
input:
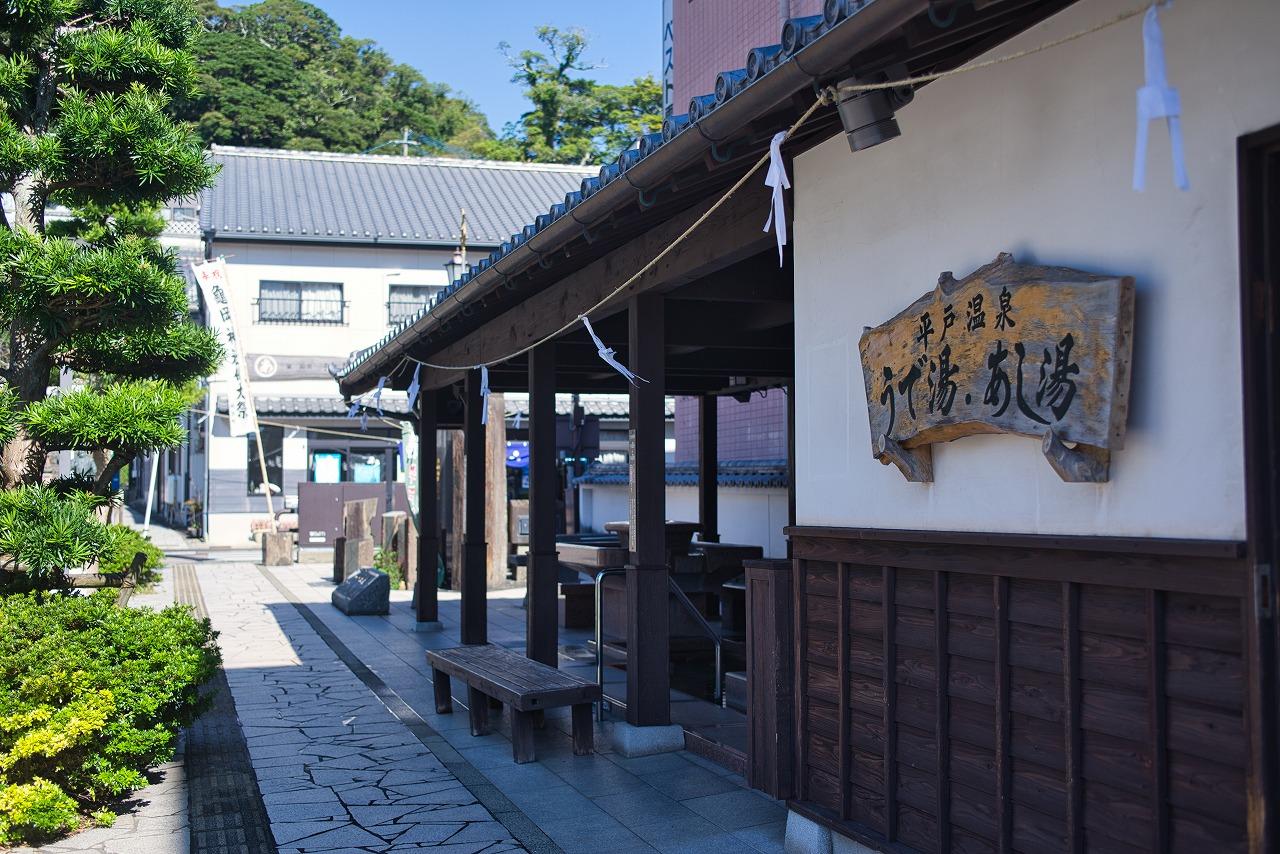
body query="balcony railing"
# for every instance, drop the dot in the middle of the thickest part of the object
(301, 310)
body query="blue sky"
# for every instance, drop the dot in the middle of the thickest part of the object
(457, 42)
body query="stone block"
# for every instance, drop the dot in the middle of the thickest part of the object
(277, 548)
(806, 836)
(367, 592)
(339, 559)
(632, 741)
(357, 553)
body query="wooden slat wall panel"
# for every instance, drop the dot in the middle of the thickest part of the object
(1110, 718)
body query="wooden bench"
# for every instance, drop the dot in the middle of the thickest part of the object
(529, 687)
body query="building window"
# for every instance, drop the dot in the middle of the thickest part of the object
(273, 447)
(300, 302)
(405, 301)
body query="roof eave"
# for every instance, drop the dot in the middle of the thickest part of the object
(811, 64)
(213, 235)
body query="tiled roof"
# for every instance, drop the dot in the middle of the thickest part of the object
(603, 405)
(264, 194)
(395, 403)
(758, 474)
(797, 36)
(316, 407)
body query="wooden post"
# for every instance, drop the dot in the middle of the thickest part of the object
(457, 505)
(541, 631)
(497, 534)
(648, 681)
(426, 606)
(791, 459)
(708, 468)
(472, 577)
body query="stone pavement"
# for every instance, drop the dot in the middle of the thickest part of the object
(675, 802)
(338, 772)
(153, 821)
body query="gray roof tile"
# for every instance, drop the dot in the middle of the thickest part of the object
(304, 195)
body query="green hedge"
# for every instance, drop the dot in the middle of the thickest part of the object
(91, 695)
(123, 543)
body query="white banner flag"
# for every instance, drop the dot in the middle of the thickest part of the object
(212, 276)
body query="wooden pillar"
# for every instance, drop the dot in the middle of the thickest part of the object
(472, 582)
(541, 628)
(457, 507)
(791, 459)
(426, 609)
(497, 534)
(648, 681)
(708, 468)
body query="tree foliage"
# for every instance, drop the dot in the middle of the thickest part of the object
(86, 96)
(573, 118)
(280, 74)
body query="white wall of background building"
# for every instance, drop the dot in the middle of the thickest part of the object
(367, 275)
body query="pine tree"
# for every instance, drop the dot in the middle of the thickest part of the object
(85, 89)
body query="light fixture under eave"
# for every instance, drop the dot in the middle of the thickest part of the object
(868, 116)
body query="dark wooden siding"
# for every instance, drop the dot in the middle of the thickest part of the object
(993, 694)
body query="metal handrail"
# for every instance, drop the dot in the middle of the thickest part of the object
(600, 643)
(680, 597)
(706, 627)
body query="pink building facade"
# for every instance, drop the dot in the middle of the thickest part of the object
(710, 36)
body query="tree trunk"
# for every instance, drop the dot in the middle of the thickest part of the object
(119, 459)
(30, 366)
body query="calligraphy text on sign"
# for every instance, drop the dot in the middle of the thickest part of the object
(1011, 348)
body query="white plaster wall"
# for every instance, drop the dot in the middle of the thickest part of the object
(1035, 158)
(366, 275)
(753, 517)
(231, 529)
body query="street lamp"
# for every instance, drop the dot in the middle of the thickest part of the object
(455, 266)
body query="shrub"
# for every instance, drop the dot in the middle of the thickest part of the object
(91, 695)
(388, 562)
(43, 535)
(123, 543)
(35, 810)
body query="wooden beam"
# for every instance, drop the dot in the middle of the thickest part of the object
(648, 657)
(426, 608)
(472, 583)
(731, 234)
(541, 619)
(754, 280)
(708, 468)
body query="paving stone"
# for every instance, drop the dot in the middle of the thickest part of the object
(337, 770)
(738, 809)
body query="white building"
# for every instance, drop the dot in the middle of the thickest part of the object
(325, 253)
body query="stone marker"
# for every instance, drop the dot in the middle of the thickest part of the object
(339, 559)
(367, 592)
(357, 552)
(277, 548)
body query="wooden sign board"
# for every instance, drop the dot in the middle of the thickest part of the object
(1011, 348)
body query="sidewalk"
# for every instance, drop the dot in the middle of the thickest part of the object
(338, 771)
(675, 802)
(325, 738)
